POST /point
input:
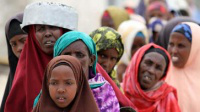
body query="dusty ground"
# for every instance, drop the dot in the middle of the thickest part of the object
(4, 70)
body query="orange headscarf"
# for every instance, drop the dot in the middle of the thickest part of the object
(164, 99)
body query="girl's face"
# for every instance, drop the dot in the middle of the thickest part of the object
(47, 36)
(108, 59)
(62, 86)
(179, 48)
(17, 43)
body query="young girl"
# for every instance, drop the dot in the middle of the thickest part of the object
(65, 88)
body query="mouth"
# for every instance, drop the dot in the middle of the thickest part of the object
(147, 78)
(175, 59)
(61, 99)
(49, 43)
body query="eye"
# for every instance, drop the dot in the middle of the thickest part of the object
(53, 27)
(53, 83)
(79, 55)
(13, 44)
(181, 45)
(171, 44)
(148, 62)
(158, 67)
(102, 56)
(114, 59)
(40, 28)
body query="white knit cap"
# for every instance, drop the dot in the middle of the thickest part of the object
(49, 13)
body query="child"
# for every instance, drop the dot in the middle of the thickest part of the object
(65, 88)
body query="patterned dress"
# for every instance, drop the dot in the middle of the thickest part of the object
(104, 95)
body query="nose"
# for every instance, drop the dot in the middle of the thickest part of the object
(48, 32)
(151, 69)
(61, 90)
(20, 47)
(174, 50)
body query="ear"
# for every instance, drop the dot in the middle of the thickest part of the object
(92, 59)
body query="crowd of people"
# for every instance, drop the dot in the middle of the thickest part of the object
(139, 60)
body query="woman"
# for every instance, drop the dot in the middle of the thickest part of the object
(144, 82)
(134, 35)
(184, 72)
(81, 46)
(113, 16)
(38, 50)
(163, 37)
(64, 78)
(157, 9)
(109, 49)
(15, 38)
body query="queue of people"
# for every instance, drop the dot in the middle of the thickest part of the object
(129, 64)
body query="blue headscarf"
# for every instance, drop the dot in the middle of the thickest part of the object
(183, 29)
(66, 39)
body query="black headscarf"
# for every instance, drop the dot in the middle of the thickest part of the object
(164, 35)
(12, 28)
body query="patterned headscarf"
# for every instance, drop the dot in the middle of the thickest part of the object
(106, 38)
(72, 36)
(183, 29)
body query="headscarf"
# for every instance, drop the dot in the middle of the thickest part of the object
(164, 99)
(11, 30)
(183, 29)
(155, 25)
(157, 5)
(106, 38)
(163, 37)
(186, 79)
(83, 101)
(118, 15)
(29, 73)
(129, 30)
(72, 36)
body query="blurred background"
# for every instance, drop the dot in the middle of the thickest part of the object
(89, 11)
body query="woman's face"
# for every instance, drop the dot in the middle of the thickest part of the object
(47, 36)
(62, 86)
(108, 59)
(80, 51)
(17, 43)
(151, 69)
(137, 43)
(179, 48)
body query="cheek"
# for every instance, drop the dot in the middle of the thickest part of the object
(57, 34)
(52, 91)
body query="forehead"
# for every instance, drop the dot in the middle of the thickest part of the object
(18, 37)
(178, 37)
(155, 57)
(110, 52)
(63, 71)
(77, 46)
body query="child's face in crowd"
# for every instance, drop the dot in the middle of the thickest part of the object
(62, 85)
(108, 59)
(17, 43)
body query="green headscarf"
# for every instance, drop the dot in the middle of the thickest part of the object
(66, 39)
(106, 38)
